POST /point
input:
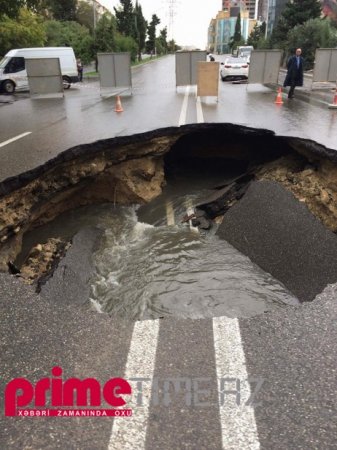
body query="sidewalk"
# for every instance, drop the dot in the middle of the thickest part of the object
(319, 93)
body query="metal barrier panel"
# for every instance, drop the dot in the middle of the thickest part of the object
(44, 77)
(325, 65)
(114, 71)
(264, 66)
(106, 70)
(196, 56)
(186, 66)
(208, 79)
(183, 68)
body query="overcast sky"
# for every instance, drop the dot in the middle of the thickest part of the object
(190, 22)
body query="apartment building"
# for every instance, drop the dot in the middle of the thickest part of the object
(275, 8)
(245, 5)
(222, 28)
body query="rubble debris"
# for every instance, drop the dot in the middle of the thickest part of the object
(42, 259)
(219, 202)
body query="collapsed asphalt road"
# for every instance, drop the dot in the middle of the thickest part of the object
(292, 352)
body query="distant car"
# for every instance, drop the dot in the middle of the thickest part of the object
(246, 55)
(234, 69)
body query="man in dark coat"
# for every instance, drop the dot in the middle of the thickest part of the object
(295, 72)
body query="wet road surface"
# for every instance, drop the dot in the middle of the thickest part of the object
(192, 370)
(82, 116)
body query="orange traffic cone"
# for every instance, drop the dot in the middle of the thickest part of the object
(279, 100)
(334, 103)
(118, 107)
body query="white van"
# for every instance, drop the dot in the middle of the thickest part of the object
(245, 50)
(13, 74)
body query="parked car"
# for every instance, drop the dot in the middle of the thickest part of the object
(234, 69)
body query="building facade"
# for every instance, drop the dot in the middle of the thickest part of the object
(262, 10)
(245, 5)
(275, 8)
(211, 36)
(222, 28)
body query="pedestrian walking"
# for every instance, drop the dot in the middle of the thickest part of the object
(294, 75)
(79, 70)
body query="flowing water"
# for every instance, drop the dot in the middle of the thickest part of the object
(146, 271)
(146, 268)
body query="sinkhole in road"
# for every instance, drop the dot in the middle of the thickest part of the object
(149, 264)
(151, 259)
(160, 266)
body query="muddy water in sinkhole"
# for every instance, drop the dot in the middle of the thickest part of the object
(146, 268)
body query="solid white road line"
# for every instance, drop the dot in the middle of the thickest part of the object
(183, 112)
(200, 115)
(238, 424)
(2, 144)
(130, 432)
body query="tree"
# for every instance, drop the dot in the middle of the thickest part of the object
(126, 44)
(237, 31)
(11, 8)
(105, 34)
(312, 34)
(151, 32)
(62, 9)
(125, 18)
(139, 29)
(26, 30)
(299, 11)
(257, 34)
(161, 42)
(237, 38)
(172, 46)
(85, 15)
(70, 34)
(295, 13)
(40, 7)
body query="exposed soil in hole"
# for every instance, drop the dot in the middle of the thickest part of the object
(132, 170)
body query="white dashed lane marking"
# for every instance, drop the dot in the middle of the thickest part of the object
(238, 424)
(200, 115)
(183, 112)
(130, 432)
(19, 136)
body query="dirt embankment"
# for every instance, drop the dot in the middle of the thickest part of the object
(129, 175)
(315, 184)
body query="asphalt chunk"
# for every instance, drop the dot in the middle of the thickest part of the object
(280, 234)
